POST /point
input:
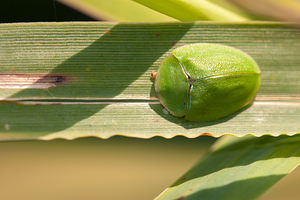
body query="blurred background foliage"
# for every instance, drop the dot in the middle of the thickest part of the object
(119, 167)
(131, 10)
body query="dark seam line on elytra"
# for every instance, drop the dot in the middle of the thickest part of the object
(183, 68)
(191, 81)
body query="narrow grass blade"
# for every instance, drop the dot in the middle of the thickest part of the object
(117, 10)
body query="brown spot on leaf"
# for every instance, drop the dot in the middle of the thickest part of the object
(107, 32)
(157, 34)
(36, 81)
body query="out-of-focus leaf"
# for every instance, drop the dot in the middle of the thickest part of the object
(284, 10)
(117, 10)
(239, 168)
(233, 7)
(192, 10)
(93, 79)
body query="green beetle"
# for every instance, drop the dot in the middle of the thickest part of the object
(204, 82)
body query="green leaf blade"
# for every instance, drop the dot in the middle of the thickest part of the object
(69, 120)
(99, 73)
(242, 170)
(124, 55)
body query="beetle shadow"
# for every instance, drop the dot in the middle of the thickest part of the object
(161, 111)
(105, 73)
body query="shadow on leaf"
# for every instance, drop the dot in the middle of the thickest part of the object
(97, 71)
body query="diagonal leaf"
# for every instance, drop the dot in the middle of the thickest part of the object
(193, 10)
(239, 169)
(93, 79)
(125, 11)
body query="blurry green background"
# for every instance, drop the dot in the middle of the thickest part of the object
(92, 168)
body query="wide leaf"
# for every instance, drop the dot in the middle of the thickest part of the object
(93, 79)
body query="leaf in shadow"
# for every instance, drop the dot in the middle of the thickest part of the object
(37, 120)
(159, 109)
(102, 70)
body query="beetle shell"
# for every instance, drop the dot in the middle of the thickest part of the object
(204, 82)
